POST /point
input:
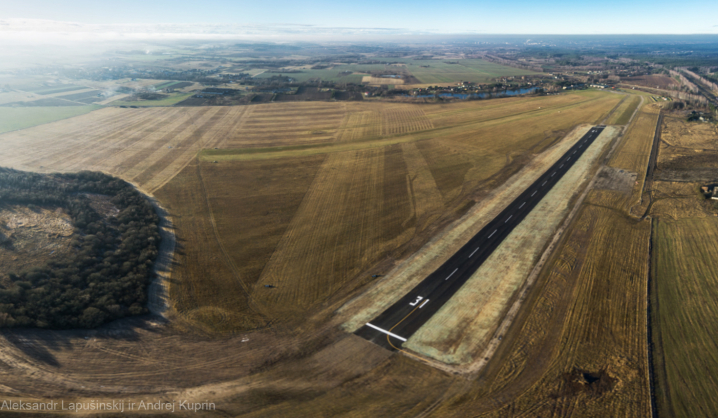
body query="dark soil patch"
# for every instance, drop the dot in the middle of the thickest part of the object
(583, 381)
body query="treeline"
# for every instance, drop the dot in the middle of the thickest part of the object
(108, 275)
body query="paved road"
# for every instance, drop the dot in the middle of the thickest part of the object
(396, 324)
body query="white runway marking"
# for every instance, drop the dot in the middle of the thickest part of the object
(386, 332)
(452, 273)
(561, 166)
(544, 183)
(507, 219)
(554, 173)
(477, 249)
(422, 305)
(533, 193)
(522, 205)
(574, 152)
(492, 234)
(568, 159)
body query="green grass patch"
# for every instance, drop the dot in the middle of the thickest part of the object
(170, 101)
(623, 114)
(426, 71)
(15, 118)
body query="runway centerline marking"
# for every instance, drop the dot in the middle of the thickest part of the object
(386, 332)
(477, 249)
(544, 183)
(452, 273)
(492, 234)
(522, 205)
(533, 193)
(507, 219)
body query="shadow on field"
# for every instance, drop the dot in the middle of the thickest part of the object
(40, 345)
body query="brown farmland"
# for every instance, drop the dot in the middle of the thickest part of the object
(337, 192)
(685, 231)
(660, 81)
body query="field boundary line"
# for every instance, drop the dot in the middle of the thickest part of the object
(221, 141)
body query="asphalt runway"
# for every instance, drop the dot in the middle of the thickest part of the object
(396, 324)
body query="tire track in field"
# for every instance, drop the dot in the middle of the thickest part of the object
(331, 235)
(251, 302)
(194, 137)
(218, 140)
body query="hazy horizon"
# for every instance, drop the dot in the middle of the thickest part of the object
(397, 17)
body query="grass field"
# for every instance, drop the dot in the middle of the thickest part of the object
(169, 101)
(426, 71)
(451, 71)
(622, 115)
(15, 118)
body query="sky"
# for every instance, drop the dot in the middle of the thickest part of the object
(448, 16)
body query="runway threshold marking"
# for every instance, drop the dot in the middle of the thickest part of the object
(425, 302)
(387, 332)
(452, 273)
(477, 249)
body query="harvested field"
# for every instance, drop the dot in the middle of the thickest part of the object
(388, 195)
(359, 203)
(685, 272)
(686, 277)
(688, 150)
(381, 81)
(147, 147)
(654, 81)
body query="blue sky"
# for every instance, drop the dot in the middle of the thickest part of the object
(451, 16)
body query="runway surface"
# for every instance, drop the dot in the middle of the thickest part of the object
(396, 324)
